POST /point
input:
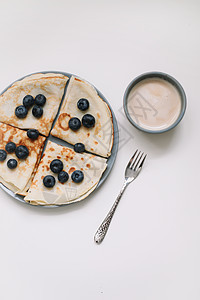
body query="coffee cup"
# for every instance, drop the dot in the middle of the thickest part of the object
(154, 102)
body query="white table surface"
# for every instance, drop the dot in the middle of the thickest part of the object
(152, 250)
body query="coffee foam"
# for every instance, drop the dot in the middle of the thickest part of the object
(154, 104)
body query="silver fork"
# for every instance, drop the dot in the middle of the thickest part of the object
(132, 170)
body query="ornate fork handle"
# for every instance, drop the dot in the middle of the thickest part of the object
(103, 228)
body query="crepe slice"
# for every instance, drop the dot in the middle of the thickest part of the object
(98, 139)
(19, 179)
(62, 193)
(50, 85)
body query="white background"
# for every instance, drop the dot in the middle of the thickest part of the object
(152, 249)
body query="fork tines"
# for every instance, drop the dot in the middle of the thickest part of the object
(137, 160)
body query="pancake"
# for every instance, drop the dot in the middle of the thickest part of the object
(50, 85)
(62, 193)
(98, 139)
(19, 179)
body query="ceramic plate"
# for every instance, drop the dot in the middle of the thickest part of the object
(110, 160)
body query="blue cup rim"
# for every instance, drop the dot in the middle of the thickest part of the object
(164, 76)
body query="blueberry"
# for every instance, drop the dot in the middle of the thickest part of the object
(22, 152)
(33, 134)
(21, 111)
(79, 147)
(74, 123)
(56, 166)
(37, 111)
(83, 104)
(88, 121)
(49, 181)
(10, 147)
(3, 155)
(63, 176)
(40, 100)
(77, 176)
(12, 163)
(28, 101)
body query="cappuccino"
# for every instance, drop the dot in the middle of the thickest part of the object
(154, 104)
